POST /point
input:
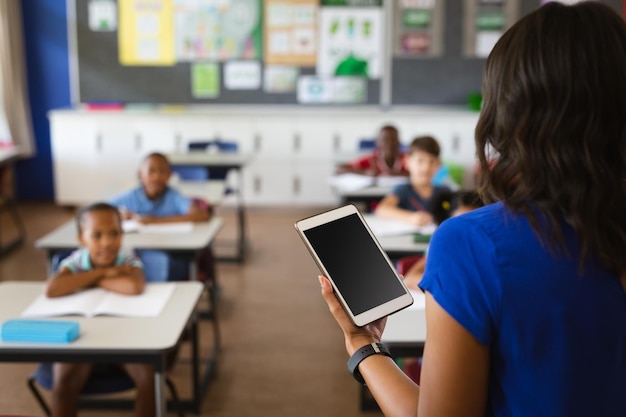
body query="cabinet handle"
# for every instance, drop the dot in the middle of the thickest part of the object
(336, 142)
(455, 143)
(138, 140)
(99, 142)
(257, 142)
(257, 185)
(297, 142)
(296, 186)
(178, 141)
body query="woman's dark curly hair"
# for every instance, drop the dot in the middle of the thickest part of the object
(551, 137)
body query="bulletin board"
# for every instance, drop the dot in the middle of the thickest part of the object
(284, 52)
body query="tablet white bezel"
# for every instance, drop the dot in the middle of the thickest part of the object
(375, 313)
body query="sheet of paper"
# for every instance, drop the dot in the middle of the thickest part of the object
(242, 75)
(385, 227)
(351, 182)
(131, 226)
(314, 89)
(390, 180)
(205, 80)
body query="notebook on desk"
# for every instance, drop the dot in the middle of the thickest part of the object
(133, 226)
(98, 301)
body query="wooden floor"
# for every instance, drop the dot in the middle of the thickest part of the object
(282, 354)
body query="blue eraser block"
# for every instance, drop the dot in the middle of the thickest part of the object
(44, 331)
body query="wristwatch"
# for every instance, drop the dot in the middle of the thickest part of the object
(362, 353)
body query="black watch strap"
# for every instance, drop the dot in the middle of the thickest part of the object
(362, 353)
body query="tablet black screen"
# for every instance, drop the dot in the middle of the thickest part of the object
(355, 263)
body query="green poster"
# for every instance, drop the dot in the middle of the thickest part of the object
(416, 18)
(205, 80)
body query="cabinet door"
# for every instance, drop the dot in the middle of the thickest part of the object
(118, 155)
(310, 185)
(348, 131)
(74, 145)
(154, 134)
(313, 139)
(268, 183)
(273, 137)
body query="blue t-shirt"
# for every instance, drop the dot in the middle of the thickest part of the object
(409, 199)
(171, 203)
(557, 336)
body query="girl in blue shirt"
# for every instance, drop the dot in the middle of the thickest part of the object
(526, 297)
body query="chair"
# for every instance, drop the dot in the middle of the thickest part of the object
(8, 203)
(102, 381)
(405, 263)
(200, 174)
(367, 144)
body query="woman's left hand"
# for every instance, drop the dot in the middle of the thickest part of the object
(355, 337)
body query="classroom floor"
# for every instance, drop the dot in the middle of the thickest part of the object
(282, 354)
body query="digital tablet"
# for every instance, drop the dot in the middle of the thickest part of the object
(348, 254)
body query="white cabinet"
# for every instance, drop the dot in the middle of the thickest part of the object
(74, 159)
(293, 151)
(268, 183)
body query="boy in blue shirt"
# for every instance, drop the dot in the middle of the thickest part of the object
(154, 201)
(418, 202)
(99, 263)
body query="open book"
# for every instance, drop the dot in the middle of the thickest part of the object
(98, 301)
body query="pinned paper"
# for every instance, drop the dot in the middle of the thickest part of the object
(485, 41)
(313, 89)
(145, 34)
(242, 75)
(102, 15)
(349, 90)
(280, 79)
(291, 32)
(205, 80)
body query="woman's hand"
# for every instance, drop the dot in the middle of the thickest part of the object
(355, 337)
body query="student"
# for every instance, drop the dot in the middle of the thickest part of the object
(154, 201)
(387, 159)
(419, 201)
(526, 297)
(466, 202)
(99, 263)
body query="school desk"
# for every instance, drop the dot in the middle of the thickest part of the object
(222, 161)
(106, 339)
(398, 245)
(404, 335)
(7, 156)
(188, 245)
(211, 191)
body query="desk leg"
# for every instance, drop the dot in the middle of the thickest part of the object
(159, 392)
(193, 270)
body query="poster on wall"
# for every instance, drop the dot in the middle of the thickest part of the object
(418, 28)
(102, 15)
(484, 22)
(351, 38)
(205, 80)
(217, 30)
(280, 78)
(290, 33)
(145, 32)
